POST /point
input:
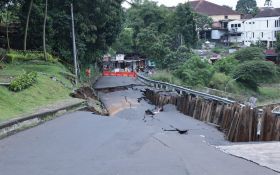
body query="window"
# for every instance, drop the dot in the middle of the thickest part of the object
(253, 35)
(275, 23)
(235, 25)
(253, 22)
(262, 34)
(226, 17)
(239, 25)
(267, 23)
(249, 22)
(232, 25)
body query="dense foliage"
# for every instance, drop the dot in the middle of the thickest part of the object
(249, 53)
(23, 81)
(251, 73)
(226, 65)
(247, 7)
(158, 32)
(195, 72)
(97, 25)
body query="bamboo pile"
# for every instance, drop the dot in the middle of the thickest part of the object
(239, 123)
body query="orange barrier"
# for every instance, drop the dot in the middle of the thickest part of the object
(119, 74)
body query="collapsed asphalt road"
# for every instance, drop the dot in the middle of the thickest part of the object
(123, 144)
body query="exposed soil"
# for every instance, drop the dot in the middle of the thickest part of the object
(93, 103)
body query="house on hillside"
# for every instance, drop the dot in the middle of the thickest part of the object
(263, 28)
(221, 16)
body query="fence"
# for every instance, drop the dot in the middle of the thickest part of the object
(119, 74)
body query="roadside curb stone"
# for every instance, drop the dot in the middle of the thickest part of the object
(17, 124)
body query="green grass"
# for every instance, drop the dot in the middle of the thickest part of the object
(269, 95)
(44, 92)
(165, 76)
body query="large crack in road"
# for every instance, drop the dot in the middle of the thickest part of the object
(122, 144)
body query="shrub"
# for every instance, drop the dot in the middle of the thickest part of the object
(219, 81)
(23, 81)
(217, 50)
(226, 65)
(28, 55)
(249, 54)
(173, 60)
(195, 72)
(251, 73)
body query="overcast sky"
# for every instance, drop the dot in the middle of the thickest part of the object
(232, 3)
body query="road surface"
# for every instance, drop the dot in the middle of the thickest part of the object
(122, 144)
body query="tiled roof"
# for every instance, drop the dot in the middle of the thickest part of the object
(209, 8)
(268, 12)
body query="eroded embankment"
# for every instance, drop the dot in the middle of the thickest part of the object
(93, 102)
(239, 123)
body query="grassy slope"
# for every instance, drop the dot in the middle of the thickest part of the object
(45, 91)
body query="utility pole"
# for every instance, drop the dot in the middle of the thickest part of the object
(74, 46)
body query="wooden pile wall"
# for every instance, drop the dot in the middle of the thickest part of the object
(239, 123)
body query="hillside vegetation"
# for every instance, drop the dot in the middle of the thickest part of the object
(51, 86)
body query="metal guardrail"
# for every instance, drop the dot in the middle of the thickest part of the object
(276, 110)
(180, 89)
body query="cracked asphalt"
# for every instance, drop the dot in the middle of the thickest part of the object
(122, 144)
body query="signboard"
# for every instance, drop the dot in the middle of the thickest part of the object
(120, 57)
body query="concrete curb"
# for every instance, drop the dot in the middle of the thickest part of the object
(41, 116)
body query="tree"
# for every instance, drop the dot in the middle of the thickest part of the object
(185, 25)
(97, 27)
(247, 7)
(195, 72)
(27, 24)
(44, 29)
(148, 15)
(249, 53)
(8, 15)
(124, 42)
(226, 65)
(251, 73)
(203, 21)
(145, 40)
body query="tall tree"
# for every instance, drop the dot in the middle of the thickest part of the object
(185, 25)
(44, 29)
(27, 24)
(9, 14)
(97, 23)
(247, 7)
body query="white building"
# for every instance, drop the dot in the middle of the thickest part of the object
(262, 28)
(221, 16)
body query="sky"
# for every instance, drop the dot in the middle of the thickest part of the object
(231, 3)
